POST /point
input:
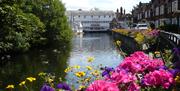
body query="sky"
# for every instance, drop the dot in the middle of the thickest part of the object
(101, 4)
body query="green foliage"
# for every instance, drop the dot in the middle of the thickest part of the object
(27, 23)
(52, 14)
(170, 28)
(18, 30)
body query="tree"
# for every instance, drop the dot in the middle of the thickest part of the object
(27, 23)
(52, 14)
(18, 30)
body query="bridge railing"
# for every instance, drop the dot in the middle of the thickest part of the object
(175, 38)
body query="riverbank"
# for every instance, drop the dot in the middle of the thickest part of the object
(99, 46)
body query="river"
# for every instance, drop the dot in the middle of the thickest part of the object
(100, 46)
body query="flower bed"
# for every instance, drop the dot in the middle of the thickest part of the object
(137, 72)
(145, 38)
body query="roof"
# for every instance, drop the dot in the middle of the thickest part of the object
(90, 12)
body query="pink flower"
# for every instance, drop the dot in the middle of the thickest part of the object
(154, 33)
(166, 85)
(101, 85)
(134, 87)
(154, 64)
(140, 62)
(131, 66)
(122, 77)
(140, 55)
(159, 78)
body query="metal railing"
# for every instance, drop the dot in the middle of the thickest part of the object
(175, 38)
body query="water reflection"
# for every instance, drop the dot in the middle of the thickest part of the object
(30, 64)
(97, 45)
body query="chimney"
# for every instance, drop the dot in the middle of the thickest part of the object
(124, 11)
(121, 9)
(117, 11)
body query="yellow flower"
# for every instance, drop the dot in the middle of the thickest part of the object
(80, 74)
(22, 83)
(41, 74)
(118, 43)
(77, 66)
(68, 69)
(157, 52)
(90, 59)
(81, 87)
(140, 38)
(10, 87)
(122, 31)
(31, 79)
(87, 79)
(177, 79)
(95, 73)
(89, 67)
(50, 80)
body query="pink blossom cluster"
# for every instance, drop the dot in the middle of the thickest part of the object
(154, 33)
(102, 85)
(158, 78)
(126, 77)
(122, 77)
(140, 62)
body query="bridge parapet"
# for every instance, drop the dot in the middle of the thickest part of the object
(175, 38)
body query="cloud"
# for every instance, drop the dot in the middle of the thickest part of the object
(101, 4)
(76, 4)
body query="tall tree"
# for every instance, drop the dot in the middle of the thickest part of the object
(19, 31)
(52, 14)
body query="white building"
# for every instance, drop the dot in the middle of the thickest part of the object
(92, 20)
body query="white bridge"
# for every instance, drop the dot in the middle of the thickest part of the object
(92, 20)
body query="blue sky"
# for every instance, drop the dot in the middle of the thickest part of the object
(101, 4)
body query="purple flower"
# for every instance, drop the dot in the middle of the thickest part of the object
(64, 86)
(47, 88)
(174, 71)
(142, 83)
(163, 67)
(107, 71)
(176, 64)
(176, 50)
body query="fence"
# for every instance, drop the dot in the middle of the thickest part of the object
(175, 38)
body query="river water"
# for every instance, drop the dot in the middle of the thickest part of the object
(100, 46)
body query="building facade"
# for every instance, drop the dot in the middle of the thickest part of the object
(92, 20)
(121, 20)
(159, 12)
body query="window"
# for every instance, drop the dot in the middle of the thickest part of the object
(157, 11)
(169, 8)
(149, 13)
(146, 14)
(174, 5)
(162, 10)
(179, 21)
(174, 20)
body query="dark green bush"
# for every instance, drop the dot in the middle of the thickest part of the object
(170, 28)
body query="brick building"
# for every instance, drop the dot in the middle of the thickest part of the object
(120, 19)
(159, 12)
